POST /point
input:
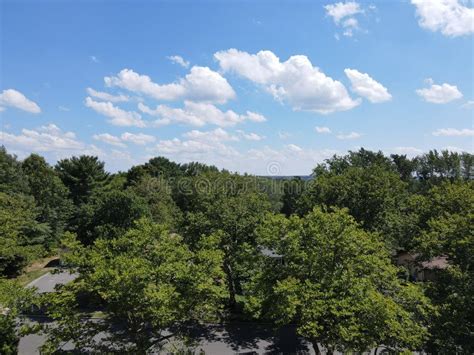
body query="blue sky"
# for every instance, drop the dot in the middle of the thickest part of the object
(259, 86)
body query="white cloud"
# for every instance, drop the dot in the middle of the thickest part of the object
(94, 59)
(409, 151)
(439, 94)
(118, 117)
(322, 129)
(453, 132)
(352, 135)
(217, 135)
(365, 86)
(44, 139)
(451, 17)
(64, 108)
(289, 160)
(138, 138)
(189, 150)
(250, 136)
(284, 135)
(293, 148)
(343, 15)
(198, 114)
(295, 81)
(340, 10)
(109, 139)
(179, 60)
(14, 98)
(468, 104)
(201, 84)
(105, 96)
(255, 117)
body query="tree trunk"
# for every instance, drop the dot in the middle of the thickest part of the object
(316, 348)
(230, 284)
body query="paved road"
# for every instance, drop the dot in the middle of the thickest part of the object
(243, 338)
(221, 340)
(47, 282)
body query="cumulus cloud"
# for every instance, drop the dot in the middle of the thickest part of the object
(137, 138)
(365, 86)
(408, 151)
(324, 130)
(118, 117)
(217, 135)
(341, 10)
(344, 15)
(450, 17)
(105, 96)
(201, 84)
(468, 104)
(453, 132)
(192, 149)
(44, 139)
(179, 60)
(198, 114)
(439, 94)
(293, 148)
(14, 98)
(250, 136)
(351, 135)
(109, 139)
(295, 81)
(284, 135)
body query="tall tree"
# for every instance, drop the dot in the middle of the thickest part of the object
(82, 176)
(50, 194)
(109, 214)
(449, 232)
(21, 237)
(12, 177)
(337, 283)
(146, 281)
(14, 299)
(231, 207)
(373, 195)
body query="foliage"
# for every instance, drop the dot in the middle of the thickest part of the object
(336, 283)
(372, 194)
(83, 176)
(109, 214)
(147, 281)
(12, 178)
(13, 300)
(50, 194)
(21, 236)
(449, 232)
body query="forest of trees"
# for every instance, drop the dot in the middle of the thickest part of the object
(164, 246)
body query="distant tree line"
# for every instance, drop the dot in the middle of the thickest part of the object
(165, 246)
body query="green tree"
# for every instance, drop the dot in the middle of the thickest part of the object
(14, 299)
(12, 178)
(292, 190)
(146, 281)
(231, 207)
(158, 196)
(21, 236)
(373, 194)
(109, 214)
(449, 232)
(82, 176)
(50, 194)
(337, 283)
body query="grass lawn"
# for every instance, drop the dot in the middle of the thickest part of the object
(36, 269)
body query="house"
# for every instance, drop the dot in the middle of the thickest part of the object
(421, 270)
